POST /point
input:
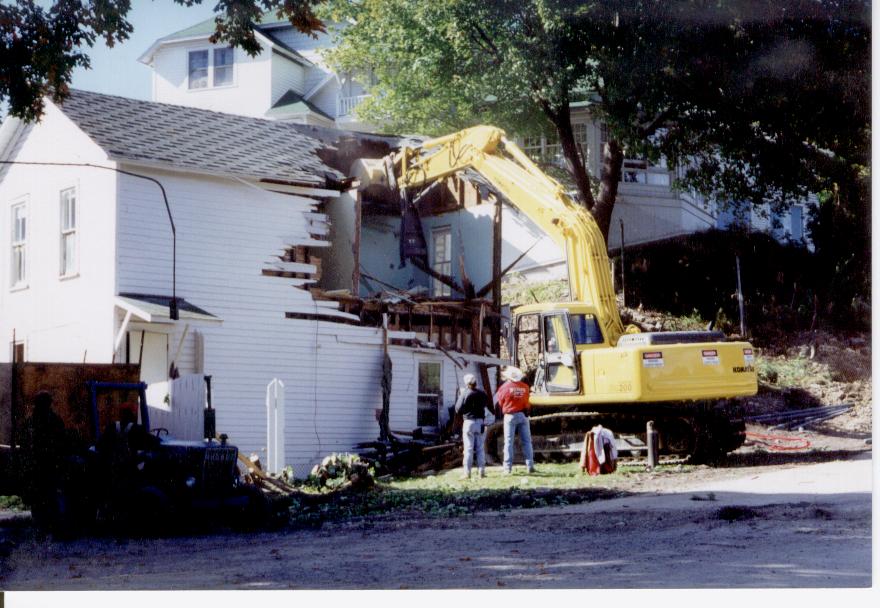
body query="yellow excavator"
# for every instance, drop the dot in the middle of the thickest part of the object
(585, 367)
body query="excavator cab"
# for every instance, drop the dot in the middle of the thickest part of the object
(545, 351)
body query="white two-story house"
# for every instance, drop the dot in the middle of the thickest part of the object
(112, 207)
(288, 80)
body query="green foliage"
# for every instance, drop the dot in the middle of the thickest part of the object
(516, 291)
(790, 372)
(40, 47)
(12, 503)
(690, 322)
(752, 102)
(338, 470)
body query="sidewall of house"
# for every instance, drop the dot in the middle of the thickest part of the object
(59, 318)
(286, 75)
(226, 231)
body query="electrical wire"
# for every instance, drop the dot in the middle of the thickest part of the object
(315, 386)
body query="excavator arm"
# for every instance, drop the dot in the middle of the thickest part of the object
(487, 151)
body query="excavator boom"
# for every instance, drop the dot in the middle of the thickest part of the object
(584, 364)
(543, 199)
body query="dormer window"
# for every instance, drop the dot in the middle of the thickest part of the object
(211, 69)
(222, 67)
(198, 69)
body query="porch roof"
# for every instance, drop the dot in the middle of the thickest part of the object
(155, 309)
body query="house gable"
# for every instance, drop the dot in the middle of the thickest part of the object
(77, 303)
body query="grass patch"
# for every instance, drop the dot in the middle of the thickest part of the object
(446, 495)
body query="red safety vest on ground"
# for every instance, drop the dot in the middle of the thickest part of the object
(513, 397)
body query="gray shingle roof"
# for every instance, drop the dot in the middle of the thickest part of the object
(184, 138)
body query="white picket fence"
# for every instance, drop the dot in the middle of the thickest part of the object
(275, 426)
(184, 418)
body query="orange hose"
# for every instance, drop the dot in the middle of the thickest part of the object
(778, 446)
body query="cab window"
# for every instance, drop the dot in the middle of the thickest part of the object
(585, 329)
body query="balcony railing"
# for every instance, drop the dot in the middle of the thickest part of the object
(345, 105)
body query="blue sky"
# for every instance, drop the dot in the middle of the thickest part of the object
(117, 71)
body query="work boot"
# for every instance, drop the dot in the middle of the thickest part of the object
(482, 474)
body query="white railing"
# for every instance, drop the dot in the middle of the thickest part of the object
(345, 105)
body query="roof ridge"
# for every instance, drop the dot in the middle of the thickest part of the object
(170, 105)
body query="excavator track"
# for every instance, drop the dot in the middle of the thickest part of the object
(694, 432)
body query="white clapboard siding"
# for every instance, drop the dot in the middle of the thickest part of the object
(331, 371)
(298, 241)
(290, 266)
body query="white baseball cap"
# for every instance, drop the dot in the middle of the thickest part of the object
(470, 379)
(512, 373)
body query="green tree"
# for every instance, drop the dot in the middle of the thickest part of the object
(749, 100)
(40, 47)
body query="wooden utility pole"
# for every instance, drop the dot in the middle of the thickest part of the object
(739, 298)
(356, 247)
(496, 277)
(622, 266)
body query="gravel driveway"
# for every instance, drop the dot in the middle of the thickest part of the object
(798, 526)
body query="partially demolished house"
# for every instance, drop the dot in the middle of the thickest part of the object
(290, 285)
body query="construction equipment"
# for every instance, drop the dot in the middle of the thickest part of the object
(585, 367)
(114, 469)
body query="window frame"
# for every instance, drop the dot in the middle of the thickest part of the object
(210, 68)
(66, 232)
(420, 396)
(439, 289)
(189, 69)
(17, 283)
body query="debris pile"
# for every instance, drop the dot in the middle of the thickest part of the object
(342, 471)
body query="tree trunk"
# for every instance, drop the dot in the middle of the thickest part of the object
(612, 168)
(576, 162)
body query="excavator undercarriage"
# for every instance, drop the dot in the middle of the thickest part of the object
(700, 432)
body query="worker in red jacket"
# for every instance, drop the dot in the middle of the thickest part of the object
(512, 398)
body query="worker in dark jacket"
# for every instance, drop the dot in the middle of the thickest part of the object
(472, 405)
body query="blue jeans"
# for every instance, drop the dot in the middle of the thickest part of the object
(517, 423)
(474, 434)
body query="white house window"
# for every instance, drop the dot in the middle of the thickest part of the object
(430, 394)
(442, 250)
(223, 67)
(198, 69)
(19, 245)
(68, 232)
(547, 149)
